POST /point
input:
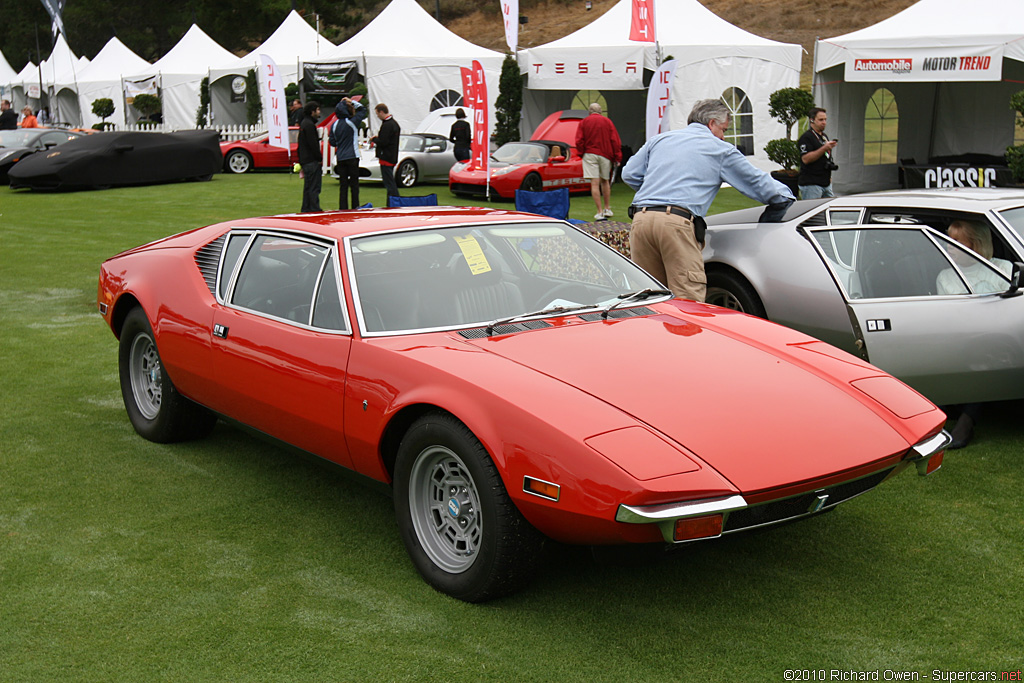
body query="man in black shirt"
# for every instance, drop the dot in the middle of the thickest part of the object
(386, 141)
(8, 119)
(310, 158)
(816, 163)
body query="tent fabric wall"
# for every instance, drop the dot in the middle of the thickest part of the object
(180, 73)
(940, 113)
(7, 75)
(102, 78)
(712, 55)
(406, 57)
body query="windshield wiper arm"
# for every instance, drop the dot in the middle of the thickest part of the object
(551, 310)
(633, 296)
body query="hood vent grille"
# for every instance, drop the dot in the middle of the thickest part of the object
(618, 313)
(208, 260)
(510, 328)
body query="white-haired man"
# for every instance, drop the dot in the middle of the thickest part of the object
(676, 176)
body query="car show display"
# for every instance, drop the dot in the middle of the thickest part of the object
(458, 356)
(242, 156)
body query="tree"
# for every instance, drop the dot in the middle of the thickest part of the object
(509, 105)
(253, 101)
(103, 107)
(787, 106)
(1015, 154)
(146, 104)
(204, 103)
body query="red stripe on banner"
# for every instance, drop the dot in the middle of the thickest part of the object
(641, 27)
(481, 147)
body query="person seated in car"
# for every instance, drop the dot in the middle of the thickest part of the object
(977, 237)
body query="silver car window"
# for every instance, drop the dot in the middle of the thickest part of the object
(885, 263)
(844, 216)
(278, 277)
(1015, 219)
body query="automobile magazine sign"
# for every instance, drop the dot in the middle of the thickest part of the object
(982, 63)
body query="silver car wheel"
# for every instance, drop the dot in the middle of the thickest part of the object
(238, 162)
(724, 298)
(146, 374)
(445, 509)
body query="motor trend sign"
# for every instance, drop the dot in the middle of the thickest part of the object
(930, 65)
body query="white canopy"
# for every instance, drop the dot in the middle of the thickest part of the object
(23, 84)
(180, 72)
(102, 78)
(711, 54)
(412, 63)
(293, 42)
(950, 69)
(7, 75)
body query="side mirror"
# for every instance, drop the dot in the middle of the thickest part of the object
(1016, 282)
(121, 149)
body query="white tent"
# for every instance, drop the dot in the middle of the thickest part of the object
(102, 78)
(292, 42)
(949, 70)
(7, 75)
(412, 63)
(178, 75)
(26, 87)
(712, 56)
(59, 72)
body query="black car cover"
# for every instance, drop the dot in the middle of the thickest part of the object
(123, 158)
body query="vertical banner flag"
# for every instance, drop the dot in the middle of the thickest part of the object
(481, 152)
(468, 96)
(659, 95)
(510, 14)
(55, 8)
(641, 28)
(274, 112)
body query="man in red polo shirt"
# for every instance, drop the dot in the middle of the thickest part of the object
(598, 143)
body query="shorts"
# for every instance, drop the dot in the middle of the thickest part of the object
(596, 166)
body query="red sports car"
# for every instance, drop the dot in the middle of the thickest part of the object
(242, 156)
(508, 376)
(548, 161)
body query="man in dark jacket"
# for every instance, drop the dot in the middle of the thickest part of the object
(344, 137)
(310, 158)
(8, 119)
(462, 135)
(387, 147)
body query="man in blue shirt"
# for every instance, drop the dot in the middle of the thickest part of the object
(676, 176)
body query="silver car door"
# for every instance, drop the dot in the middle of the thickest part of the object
(922, 312)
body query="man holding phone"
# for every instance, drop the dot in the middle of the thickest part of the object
(816, 164)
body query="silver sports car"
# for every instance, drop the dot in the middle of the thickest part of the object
(422, 158)
(878, 275)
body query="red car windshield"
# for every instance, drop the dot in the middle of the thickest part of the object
(522, 153)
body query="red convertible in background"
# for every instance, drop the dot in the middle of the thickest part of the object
(547, 162)
(461, 357)
(242, 156)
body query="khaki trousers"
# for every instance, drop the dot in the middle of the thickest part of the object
(664, 245)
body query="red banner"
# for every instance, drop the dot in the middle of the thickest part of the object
(641, 28)
(481, 158)
(468, 96)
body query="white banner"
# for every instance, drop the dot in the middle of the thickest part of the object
(274, 109)
(610, 68)
(938, 64)
(659, 97)
(510, 14)
(147, 86)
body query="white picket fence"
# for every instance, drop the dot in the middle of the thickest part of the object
(227, 133)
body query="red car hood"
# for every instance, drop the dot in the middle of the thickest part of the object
(761, 416)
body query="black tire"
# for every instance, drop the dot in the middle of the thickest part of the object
(461, 530)
(729, 290)
(532, 183)
(237, 161)
(155, 408)
(407, 174)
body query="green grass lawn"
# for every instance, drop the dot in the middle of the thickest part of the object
(229, 559)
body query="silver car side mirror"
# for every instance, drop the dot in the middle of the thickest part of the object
(1016, 281)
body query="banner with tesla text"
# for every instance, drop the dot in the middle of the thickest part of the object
(468, 98)
(641, 28)
(510, 14)
(659, 96)
(274, 109)
(481, 152)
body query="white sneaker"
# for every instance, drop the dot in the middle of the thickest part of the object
(599, 216)
(608, 213)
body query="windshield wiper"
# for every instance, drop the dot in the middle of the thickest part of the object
(633, 296)
(550, 310)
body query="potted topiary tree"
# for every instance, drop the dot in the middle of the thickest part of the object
(147, 105)
(1015, 153)
(787, 106)
(103, 107)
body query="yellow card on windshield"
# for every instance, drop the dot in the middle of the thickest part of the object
(474, 255)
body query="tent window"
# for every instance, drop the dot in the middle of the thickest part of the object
(584, 98)
(446, 98)
(741, 132)
(881, 129)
